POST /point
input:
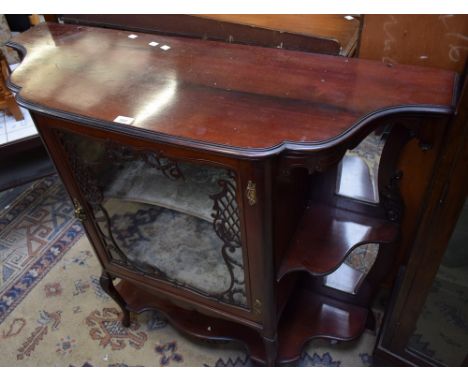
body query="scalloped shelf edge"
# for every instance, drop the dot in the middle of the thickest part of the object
(307, 316)
(327, 235)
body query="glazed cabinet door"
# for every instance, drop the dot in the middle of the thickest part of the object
(171, 220)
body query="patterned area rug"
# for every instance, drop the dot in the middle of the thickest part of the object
(54, 313)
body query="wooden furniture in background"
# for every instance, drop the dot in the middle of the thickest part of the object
(429, 41)
(344, 29)
(269, 127)
(22, 160)
(435, 41)
(328, 34)
(426, 41)
(7, 99)
(35, 19)
(448, 193)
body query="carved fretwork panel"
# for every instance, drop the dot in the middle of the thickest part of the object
(226, 224)
(170, 220)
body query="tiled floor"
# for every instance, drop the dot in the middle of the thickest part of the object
(12, 130)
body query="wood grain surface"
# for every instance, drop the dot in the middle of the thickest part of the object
(217, 94)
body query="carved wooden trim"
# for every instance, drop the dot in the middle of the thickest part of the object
(305, 148)
(84, 176)
(156, 159)
(391, 199)
(312, 163)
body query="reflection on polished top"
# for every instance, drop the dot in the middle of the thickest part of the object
(234, 97)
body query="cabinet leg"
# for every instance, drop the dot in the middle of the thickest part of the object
(108, 286)
(271, 350)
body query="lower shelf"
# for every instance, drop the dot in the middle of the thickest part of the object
(191, 322)
(176, 247)
(307, 316)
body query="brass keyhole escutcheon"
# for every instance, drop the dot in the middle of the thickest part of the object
(79, 211)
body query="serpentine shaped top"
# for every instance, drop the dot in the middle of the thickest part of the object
(234, 99)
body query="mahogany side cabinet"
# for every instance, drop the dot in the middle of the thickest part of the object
(208, 176)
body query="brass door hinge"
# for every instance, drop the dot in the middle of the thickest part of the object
(251, 193)
(79, 211)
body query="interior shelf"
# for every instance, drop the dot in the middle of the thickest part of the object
(326, 235)
(177, 247)
(191, 322)
(310, 315)
(189, 194)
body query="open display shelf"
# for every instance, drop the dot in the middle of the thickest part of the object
(307, 316)
(191, 322)
(326, 236)
(190, 194)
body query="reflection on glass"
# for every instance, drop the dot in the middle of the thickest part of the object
(441, 332)
(175, 221)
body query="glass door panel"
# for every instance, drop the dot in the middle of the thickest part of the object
(173, 220)
(441, 332)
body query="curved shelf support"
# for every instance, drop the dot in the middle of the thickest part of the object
(327, 235)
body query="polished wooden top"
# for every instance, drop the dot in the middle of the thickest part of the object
(229, 98)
